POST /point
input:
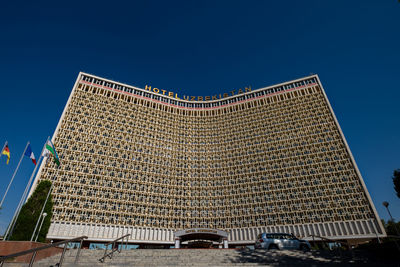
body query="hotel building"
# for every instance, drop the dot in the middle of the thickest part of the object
(148, 163)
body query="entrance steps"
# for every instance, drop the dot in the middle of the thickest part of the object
(199, 257)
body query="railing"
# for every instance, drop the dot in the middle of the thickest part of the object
(35, 250)
(114, 248)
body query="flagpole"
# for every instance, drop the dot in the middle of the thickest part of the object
(33, 185)
(5, 144)
(17, 211)
(41, 212)
(15, 172)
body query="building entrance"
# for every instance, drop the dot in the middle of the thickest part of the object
(201, 236)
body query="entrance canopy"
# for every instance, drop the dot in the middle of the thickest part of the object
(201, 234)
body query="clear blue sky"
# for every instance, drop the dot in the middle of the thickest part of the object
(204, 48)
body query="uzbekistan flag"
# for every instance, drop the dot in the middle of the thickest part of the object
(6, 151)
(29, 154)
(50, 149)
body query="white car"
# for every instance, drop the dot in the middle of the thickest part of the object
(281, 241)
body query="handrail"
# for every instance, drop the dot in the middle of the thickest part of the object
(113, 248)
(35, 250)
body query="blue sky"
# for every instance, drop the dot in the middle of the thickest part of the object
(204, 48)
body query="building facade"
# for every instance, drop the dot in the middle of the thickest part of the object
(144, 162)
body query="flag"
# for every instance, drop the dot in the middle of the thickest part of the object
(6, 151)
(29, 154)
(50, 149)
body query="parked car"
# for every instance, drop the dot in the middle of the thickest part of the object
(281, 241)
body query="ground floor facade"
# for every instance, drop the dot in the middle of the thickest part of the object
(352, 231)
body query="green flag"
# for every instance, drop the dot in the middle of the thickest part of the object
(50, 149)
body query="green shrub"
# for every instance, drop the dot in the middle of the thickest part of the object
(30, 213)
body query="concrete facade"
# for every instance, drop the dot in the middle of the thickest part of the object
(267, 160)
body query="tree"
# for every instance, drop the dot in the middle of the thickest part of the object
(390, 226)
(396, 181)
(30, 213)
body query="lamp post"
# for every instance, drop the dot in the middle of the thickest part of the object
(386, 204)
(44, 216)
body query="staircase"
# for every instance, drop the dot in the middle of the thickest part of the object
(204, 257)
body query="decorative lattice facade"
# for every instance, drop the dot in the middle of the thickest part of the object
(267, 160)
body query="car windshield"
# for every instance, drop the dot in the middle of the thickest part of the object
(279, 236)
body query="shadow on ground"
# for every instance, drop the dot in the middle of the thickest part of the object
(312, 258)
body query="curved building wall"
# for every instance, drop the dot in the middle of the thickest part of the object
(270, 160)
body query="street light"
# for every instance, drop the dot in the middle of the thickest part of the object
(386, 204)
(44, 216)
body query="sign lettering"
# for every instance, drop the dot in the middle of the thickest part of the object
(197, 98)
